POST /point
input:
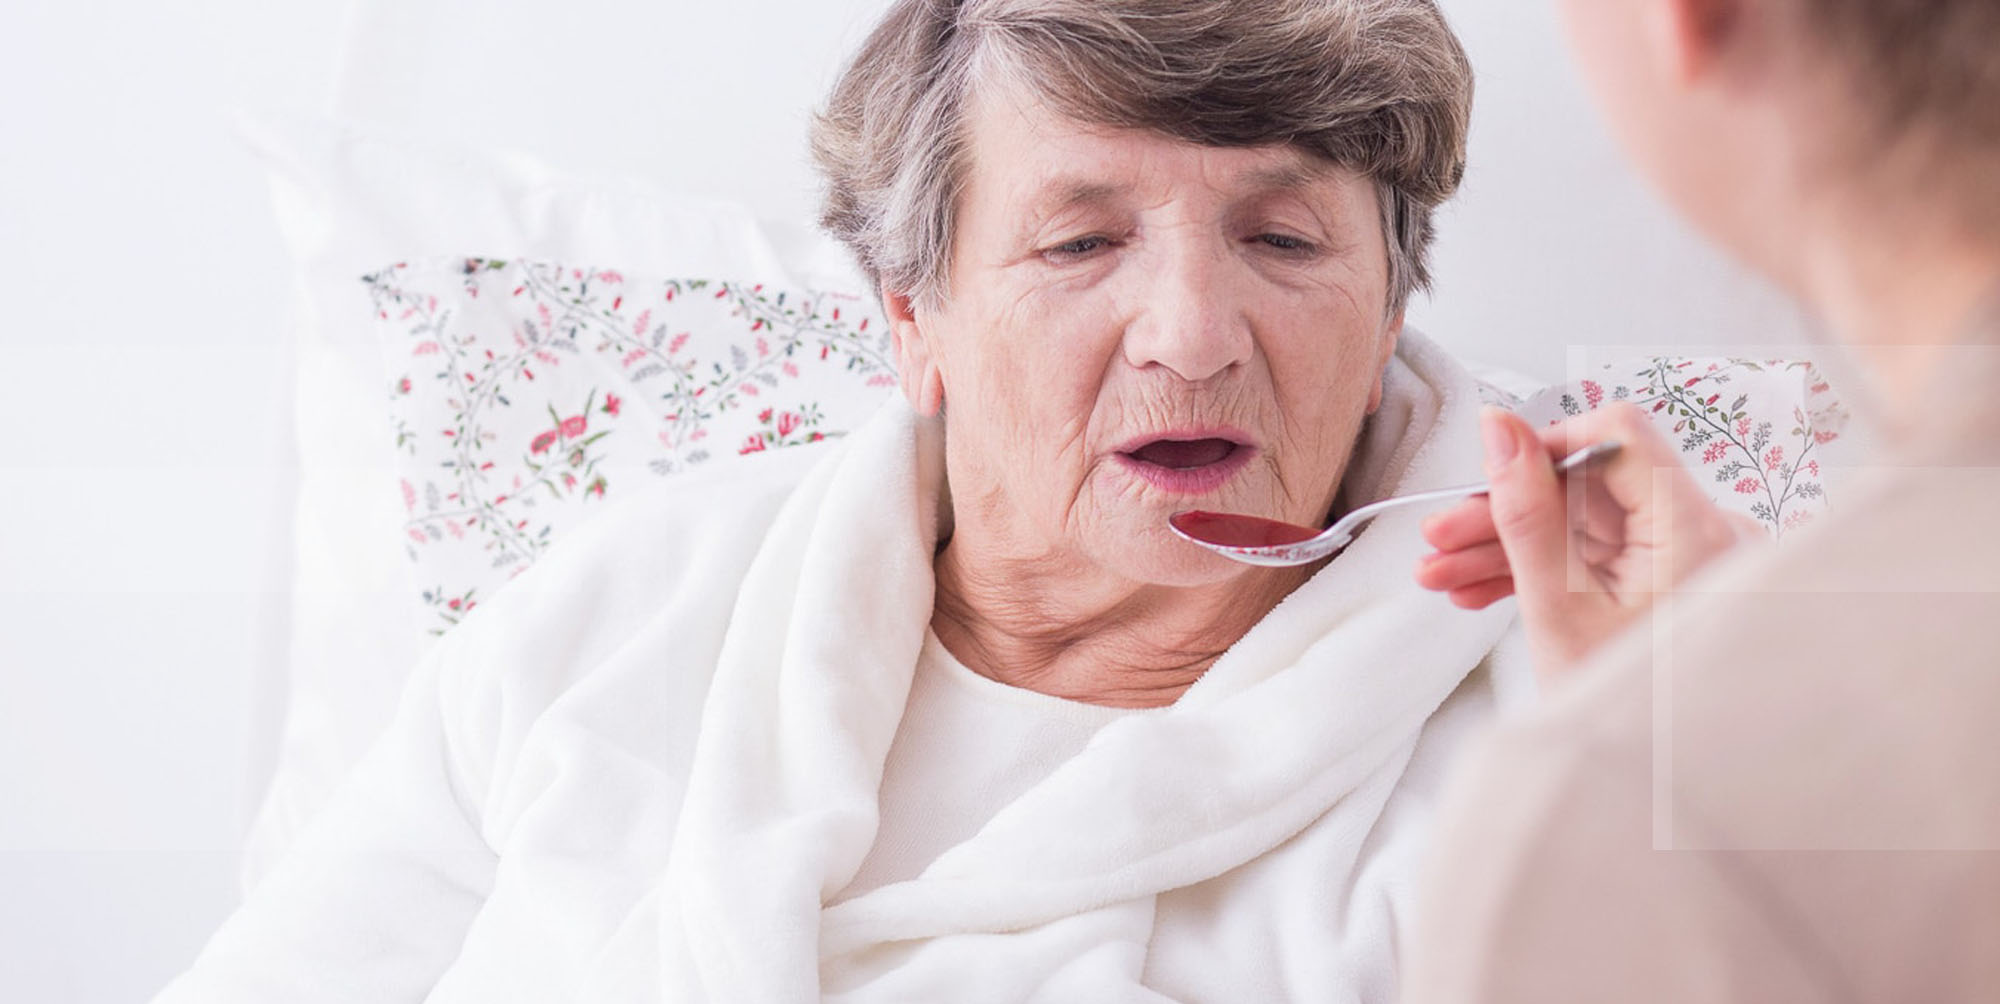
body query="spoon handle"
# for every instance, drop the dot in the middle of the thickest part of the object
(1347, 524)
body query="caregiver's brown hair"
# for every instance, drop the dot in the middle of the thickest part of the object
(1918, 63)
(1381, 87)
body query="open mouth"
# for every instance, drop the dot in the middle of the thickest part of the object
(1193, 465)
(1184, 454)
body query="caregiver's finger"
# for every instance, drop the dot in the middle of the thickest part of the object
(1663, 507)
(1530, 516)
(1631, 474)
(1481, 595)
(1591, 427)
(1447, 570)
(1467, 523)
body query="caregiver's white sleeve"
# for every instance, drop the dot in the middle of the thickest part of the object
(372, 902)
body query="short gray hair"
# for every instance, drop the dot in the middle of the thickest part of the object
(1381, 87)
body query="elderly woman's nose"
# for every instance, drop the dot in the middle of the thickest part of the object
(1190, 316)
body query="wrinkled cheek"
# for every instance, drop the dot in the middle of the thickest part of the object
(1322, 424)
(1017, 451)
(1028, 390)
(1039, 405)
(1023, 414)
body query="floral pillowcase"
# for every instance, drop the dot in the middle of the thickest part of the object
(523, 393)
(1754, 432)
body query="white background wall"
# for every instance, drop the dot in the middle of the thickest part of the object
(140, 488)
(144, 394)
(1553, 243)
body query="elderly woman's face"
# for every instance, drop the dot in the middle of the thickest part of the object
(1138, 325)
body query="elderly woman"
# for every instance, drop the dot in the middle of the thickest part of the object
(945, 712)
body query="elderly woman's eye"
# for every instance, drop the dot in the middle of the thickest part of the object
(1286, 242)
(1078, 248)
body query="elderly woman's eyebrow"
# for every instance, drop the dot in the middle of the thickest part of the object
(1288, 177)
(1058, 196)
(1068, 193)
(1062, 194)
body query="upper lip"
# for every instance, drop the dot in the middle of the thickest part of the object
(1137, 443)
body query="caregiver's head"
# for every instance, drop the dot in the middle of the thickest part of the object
(1827, 142)
(1145, 256)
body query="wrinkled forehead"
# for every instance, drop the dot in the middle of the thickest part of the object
(1026, 157)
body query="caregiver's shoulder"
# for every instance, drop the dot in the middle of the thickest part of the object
(681, 542)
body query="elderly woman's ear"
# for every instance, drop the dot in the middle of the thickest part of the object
(916, 368)
(1390, 334)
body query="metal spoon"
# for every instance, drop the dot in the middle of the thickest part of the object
(1254, 540)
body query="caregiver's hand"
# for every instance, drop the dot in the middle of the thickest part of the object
(1585, 559)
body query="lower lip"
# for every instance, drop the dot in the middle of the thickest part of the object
(1190, 480)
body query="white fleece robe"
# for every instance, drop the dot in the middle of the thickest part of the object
(640, 772)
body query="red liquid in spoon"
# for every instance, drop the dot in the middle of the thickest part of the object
(1225, 530)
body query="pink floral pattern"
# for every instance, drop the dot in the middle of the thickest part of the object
(523, 392)
(1758, 449)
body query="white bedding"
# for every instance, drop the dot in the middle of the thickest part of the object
(638, 774)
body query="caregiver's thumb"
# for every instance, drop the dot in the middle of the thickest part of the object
(1531, 520)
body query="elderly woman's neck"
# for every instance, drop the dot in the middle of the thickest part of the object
(1079, 634)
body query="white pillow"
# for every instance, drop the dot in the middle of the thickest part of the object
(349, 204)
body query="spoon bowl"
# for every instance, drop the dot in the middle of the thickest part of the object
(1254, 540)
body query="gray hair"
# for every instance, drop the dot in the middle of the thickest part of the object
(1380, 87)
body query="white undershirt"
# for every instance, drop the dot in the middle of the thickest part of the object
(966, 748)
